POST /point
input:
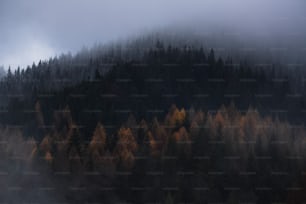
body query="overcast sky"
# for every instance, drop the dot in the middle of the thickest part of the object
(38, 29)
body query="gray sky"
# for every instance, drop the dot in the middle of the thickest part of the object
(38, 29)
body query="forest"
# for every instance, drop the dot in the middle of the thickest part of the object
(167, 124)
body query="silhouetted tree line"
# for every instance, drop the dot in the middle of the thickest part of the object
(115, 85)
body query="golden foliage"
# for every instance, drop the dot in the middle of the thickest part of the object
(126, 147)
(48, 157)
(175, 116)
(182, 140)
(152, 144)
(98, 141)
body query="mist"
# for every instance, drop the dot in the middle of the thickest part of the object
(33, 30)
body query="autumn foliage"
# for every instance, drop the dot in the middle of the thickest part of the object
(220, 151)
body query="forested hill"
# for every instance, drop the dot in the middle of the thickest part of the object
(146, 82)
(149, 125)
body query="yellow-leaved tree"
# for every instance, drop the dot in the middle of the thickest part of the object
(125, 148)
(97, 147)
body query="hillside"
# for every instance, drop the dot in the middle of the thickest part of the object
(164, 124)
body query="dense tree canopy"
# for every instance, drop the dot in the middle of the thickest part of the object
(164, 124)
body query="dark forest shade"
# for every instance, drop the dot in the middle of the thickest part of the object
(99, 129)
(188, 156)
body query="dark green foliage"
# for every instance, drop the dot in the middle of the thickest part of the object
(183, 156)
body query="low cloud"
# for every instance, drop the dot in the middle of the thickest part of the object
(34, 29)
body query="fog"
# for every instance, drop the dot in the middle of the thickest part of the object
(38, 29)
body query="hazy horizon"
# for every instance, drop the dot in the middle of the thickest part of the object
(34, 30)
